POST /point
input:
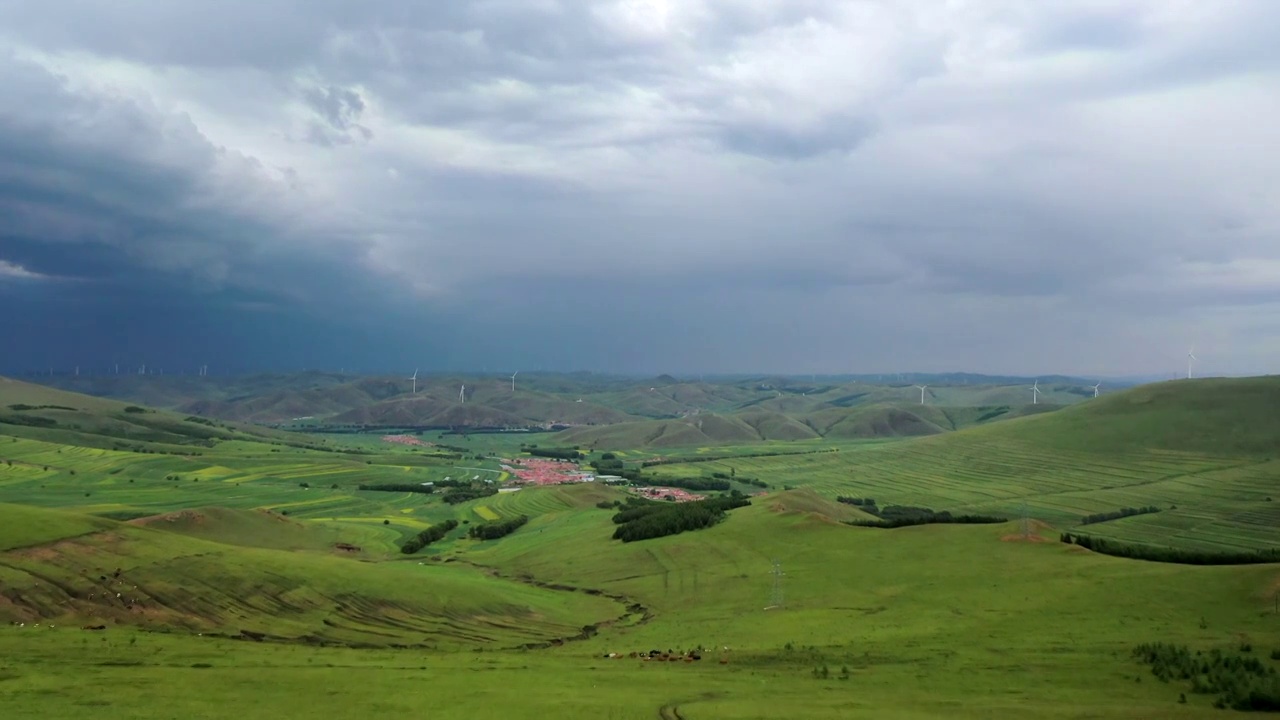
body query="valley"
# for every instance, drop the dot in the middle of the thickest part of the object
(222, 558)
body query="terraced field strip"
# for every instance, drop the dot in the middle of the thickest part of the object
(485, 513)
(529, 501)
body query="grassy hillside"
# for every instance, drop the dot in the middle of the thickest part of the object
(770, 422)
(22, 526)
(150, 577)
(916, 622)
(790, 408)
(1227, 416)
(37, 411)
(961, 611)
(1201, 450)
(256, 528)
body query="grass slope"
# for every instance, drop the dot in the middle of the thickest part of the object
(1201, 450)
(38, 411)
(172, 580)
(988, 627)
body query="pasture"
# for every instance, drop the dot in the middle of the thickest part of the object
(928, 622)
(178, 553)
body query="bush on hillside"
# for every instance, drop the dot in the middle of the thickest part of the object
(608, 466)
(554, 453)
(642, 521)
(495, 530)
(861, 502)
(428, 536)
(896, 516)
(461, 495)
(30, 421)
(1180, 556)
(1117, 514)
(1241, 683)
(703, 484)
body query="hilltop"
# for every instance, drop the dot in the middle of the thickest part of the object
(37, 411)
(1229, 416)
(806, 420)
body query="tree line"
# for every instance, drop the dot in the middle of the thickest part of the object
(610, 465)
(495, 530)
(715, 458)
(1181, 556)
(645, 519)
(428, 536)
(896, 516)
(463, 494)
(554, 453)
(1117, 514)
(692, 483)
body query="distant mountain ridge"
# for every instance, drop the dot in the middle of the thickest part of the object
(662, 410)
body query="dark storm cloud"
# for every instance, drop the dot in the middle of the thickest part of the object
(729, 180)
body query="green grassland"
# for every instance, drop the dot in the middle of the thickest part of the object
(930, 622)
(214, 536)
(1207, 453)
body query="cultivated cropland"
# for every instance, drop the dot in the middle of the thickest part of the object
(581, 546)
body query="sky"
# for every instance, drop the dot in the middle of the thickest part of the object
(839, 186)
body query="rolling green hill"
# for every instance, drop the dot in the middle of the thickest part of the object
(152, 578)
(918, 622)
(764, 423)
(1204, 451)
(37, 411)
(775, 408)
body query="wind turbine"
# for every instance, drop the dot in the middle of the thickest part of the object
(1095, 389)
(414, 378)
(922, 389)
(462, 395)
(1035, 393)
(513, 380)
(1191, 357)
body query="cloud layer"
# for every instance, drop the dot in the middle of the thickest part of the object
(644, 185)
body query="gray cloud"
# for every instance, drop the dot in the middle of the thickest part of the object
(753, 175)
(339, 109)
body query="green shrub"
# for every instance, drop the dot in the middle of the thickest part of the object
(428, 536)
